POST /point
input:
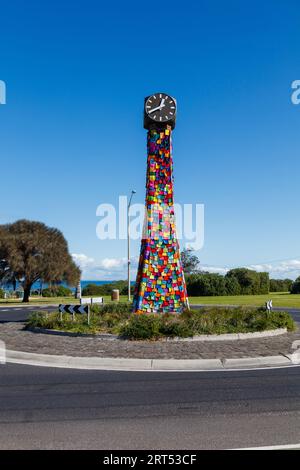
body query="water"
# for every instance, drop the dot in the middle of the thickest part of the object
(37, 285)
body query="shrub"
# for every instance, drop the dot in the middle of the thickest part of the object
(237, 281)
(209, 320)
(295, 288)
(173, 325)
(113, 307)
(251, 282)
(144, 326)
(57, 291)
(94, 289)
(216, 320)
(205, 284)
(232, 286)
(105, 289)
(2, 294)
(43, 319)
(280, 285)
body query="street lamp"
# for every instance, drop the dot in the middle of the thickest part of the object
(128, 244)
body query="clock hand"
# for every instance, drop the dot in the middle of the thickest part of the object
(162, 105)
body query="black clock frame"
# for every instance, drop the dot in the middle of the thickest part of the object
(150, 123)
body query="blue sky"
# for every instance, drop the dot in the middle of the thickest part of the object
(71, 134)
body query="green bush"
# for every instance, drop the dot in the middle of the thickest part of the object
(235, 282)
(113, 307)
(251, 282)
(142, 326)
(57, 291)
(205, 284)
(108, 318)
(295, 288)
(2, 294)
(43, 319)
(232, 286)
(207, 321)
(118, 319)
(106, 289)
(172, 325)
(280, 285)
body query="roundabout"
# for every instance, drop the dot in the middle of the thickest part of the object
(54, 408)
(81, 393)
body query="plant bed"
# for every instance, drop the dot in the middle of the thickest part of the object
(117, 319)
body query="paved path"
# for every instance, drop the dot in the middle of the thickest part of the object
(68, 409)
(12, 324)
(21, 340)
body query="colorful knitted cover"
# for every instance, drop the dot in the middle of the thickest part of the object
(160, 285)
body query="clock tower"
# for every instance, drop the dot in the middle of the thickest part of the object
(160, 285)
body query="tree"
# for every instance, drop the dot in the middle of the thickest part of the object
(30, 251)
(295, 289)
(251, 282)
(189, 261)
(199, 284)
(232, 286)
(280, 285)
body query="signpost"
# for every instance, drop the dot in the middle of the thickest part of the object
(91, 300)
(72, 309)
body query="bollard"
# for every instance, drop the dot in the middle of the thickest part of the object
(115, 295)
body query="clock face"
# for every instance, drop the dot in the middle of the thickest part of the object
(160, 107)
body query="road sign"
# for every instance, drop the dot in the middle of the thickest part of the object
(91, 300)
(72, 309)
(85, 300)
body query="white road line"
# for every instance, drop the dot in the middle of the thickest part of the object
(4, 310)
(286, 446)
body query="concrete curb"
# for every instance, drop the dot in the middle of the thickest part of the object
(130, 364)
(221, 337)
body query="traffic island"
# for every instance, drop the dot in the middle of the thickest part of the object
(19, 339)
(118, 319)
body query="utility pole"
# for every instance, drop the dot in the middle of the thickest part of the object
(128, 244)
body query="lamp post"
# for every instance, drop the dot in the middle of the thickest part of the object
(128, 245)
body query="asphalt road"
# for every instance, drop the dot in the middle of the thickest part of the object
(45, 408)
(20, 313)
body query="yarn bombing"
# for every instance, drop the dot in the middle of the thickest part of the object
(160, 285)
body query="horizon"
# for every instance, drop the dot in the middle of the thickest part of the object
(72, 134)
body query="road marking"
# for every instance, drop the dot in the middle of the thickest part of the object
(285, 446)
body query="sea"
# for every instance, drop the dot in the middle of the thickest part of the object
(37, 285)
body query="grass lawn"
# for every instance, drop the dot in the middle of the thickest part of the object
(280, 299)
(40, 300)
(36, 300)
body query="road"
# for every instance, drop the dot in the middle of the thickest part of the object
(76, 409)
(21, 313)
